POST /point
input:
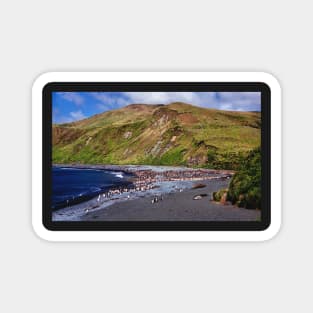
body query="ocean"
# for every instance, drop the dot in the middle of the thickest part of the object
(74, 185)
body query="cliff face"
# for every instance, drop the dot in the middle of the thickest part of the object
(174, 134)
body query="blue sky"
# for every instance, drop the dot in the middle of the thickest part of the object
(72, 106)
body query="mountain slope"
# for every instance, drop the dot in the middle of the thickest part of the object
(174, 134)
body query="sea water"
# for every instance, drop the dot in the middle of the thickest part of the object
(74, 185)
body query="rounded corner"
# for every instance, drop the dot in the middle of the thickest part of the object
(41, 231)
(42, 80)
(271, 231)
(270, 80)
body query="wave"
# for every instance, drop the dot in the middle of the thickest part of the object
(116, 174)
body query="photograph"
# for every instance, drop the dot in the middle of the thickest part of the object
(156, 156)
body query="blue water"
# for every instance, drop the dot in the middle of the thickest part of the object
(73, 185)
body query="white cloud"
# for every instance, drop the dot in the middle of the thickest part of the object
(236, 101)
(240, 101)
(162, 97)
(108, 102)
(74, 97)
(105, 101)
(77, 115)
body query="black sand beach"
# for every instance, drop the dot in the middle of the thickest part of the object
(176, 206)
(161, 194)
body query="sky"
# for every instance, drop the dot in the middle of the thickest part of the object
(73, 106)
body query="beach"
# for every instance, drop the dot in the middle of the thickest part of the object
(175, 206)
(160, 193)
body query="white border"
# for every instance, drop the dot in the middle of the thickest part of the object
(43, 79)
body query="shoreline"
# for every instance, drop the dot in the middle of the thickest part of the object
(102, 201)
(148, 168)
(179, 203)
(87, 195)
(141, 178)
(159, 193)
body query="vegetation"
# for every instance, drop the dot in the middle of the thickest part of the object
(218, 195)
(175, 134)
(245, 186)
(226, 160)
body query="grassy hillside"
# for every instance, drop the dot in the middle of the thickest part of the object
(175, 134)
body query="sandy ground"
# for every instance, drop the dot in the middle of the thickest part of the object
(175, 206)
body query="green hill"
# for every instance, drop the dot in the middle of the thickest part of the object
(174, 134)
